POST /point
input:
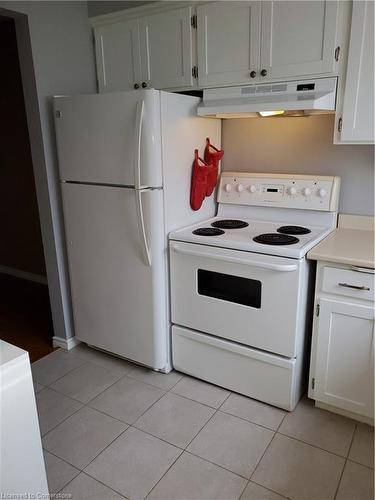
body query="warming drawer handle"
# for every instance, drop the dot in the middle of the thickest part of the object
(235, 260)
(355, 287)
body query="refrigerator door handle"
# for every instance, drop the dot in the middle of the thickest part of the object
(141, 225)
(138, 143)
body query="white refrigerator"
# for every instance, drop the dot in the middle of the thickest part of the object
(125, 162)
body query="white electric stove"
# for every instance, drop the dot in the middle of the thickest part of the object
(241, 284)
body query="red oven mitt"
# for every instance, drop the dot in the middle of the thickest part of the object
(199, 181)
(212, 156)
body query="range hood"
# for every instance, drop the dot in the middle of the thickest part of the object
(289, 98)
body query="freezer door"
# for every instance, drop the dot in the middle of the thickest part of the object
(111, 138)
(118, 289)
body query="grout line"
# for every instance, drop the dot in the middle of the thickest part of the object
(62, 421)
(82, 472)
(217, 465)
(248, 421)
(269, 489)
(261, 458)
(346, 460)
(312, 445)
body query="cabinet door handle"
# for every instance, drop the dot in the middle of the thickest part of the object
(356, 287)
(253, 74)
(136, 85)
(263, 72)
(144, 85)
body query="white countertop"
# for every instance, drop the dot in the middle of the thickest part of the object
(10, 353)
(346, 246)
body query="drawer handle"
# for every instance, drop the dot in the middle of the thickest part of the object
(356, 287)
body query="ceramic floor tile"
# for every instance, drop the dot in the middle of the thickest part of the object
(59, 473)
(192, 478)
(81, 437)
(162, 380)
(255, 492)
(362, 449)
(357, 483)
(253, 411)
(320, 428)
(84, 487)
(232, 443)
(57, 364)
(86, 382)
(200, 391)
(127, 399)
(38, 387)
(101, 358)
(299, 471)
(175, 419)
(53, 408)
(134, 463)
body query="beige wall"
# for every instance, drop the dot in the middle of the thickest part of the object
(302, 145)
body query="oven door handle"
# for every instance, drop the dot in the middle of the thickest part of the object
(236, 260)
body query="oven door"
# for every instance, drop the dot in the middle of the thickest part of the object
(246, 297)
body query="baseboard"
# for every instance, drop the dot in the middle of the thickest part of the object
(345, 413)
(66, 344)
(17, 273)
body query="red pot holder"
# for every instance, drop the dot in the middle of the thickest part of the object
(212, 156)
(199, 181)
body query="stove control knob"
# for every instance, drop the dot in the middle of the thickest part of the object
(292, 191)
(322, 192)
(240, 188)
(252, 188)
(306, 191)
(228, 188)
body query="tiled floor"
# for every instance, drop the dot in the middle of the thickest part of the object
(115, 430)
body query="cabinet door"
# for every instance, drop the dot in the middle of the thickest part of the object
(358, 109)
(228, 42)
(298, 38)
(344, 371)
(118, 59)
(166, 48)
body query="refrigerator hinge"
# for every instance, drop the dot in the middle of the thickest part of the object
(193, 21)
(313, 383)
(317, 309)
(194, 71)
(337, 53)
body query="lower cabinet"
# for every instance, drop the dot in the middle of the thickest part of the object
(342, 364)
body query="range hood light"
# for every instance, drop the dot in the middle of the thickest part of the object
(271, 113)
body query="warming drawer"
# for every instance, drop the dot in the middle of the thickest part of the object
(254, 373)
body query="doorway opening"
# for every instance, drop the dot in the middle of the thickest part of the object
(25, 311)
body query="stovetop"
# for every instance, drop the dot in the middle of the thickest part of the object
(257, 236)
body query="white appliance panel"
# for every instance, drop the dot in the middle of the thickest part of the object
(110, 138)
(245, 297)
(182, 132)
(119, 300)
(256, 374)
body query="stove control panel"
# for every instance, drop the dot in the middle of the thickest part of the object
(280, 190)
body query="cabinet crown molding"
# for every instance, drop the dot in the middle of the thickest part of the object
(135, 12)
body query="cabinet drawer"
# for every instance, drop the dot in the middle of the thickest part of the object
(348, 283)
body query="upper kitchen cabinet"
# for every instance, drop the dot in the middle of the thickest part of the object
(167, 49)
(228, 42)
(355, 122)
(244, 42)
(298, 38)
(118, 60)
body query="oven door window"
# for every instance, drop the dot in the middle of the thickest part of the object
(231, 288)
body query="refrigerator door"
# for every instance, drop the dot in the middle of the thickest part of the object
(111, 138)
(118, 270)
